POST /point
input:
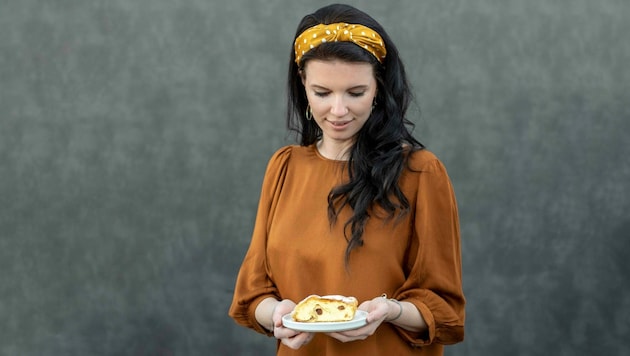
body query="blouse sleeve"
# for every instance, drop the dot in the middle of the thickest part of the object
(434, 283)
(253, 283)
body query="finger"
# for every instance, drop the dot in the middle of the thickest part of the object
(286, 333)
(291, 343)
(297, 341)
(309, 338)
(306, 338)
(340, 337)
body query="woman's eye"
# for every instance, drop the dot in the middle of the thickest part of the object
(356, 95)
(321, 93)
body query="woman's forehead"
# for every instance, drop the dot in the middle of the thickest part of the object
(338, 69)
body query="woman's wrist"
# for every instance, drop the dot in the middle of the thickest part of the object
(397, 309)
(405, 315)
(265, 311)
(273, 324)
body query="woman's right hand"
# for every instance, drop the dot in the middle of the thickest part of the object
(289, 337)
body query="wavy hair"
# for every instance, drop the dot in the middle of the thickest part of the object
(379, 153)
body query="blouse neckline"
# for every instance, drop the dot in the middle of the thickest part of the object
(324, 158)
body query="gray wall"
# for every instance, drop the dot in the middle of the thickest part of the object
(134, 135)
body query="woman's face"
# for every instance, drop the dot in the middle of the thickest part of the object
(341, 96)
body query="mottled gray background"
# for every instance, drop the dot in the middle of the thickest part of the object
(134, 135)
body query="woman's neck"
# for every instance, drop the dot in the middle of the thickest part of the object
(339, 151)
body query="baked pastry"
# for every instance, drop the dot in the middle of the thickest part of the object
(329, 308)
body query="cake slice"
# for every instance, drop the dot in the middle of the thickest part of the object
(329, 308)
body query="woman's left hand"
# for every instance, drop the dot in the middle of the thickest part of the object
(377, 310)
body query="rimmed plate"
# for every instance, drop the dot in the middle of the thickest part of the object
(360, 319)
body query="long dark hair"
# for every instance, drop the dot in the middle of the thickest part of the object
(378, 156)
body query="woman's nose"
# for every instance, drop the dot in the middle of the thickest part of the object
(339, 107)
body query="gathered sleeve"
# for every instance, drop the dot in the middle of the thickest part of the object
(253, 283)
(433, 261)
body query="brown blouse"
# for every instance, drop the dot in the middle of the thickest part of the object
(295, 252)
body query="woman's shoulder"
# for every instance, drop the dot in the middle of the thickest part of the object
(282, 152)
(422, 160)
(283, 155)
(280, 157)
(425, 166)
(288, 152)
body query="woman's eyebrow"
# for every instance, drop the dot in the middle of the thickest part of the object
(356, 87)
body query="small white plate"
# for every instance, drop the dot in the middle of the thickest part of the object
(358, 321)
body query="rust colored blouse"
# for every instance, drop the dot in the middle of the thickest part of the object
(295, 252)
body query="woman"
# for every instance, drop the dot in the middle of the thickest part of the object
(358, 208)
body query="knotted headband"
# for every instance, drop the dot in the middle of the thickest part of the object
(360, 35)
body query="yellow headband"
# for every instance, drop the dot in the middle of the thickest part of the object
(362, 36)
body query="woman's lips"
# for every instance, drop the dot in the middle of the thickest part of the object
(339, 124)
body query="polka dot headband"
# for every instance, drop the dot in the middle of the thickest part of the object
(362, 36)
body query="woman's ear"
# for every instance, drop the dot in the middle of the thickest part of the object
(302, 75)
